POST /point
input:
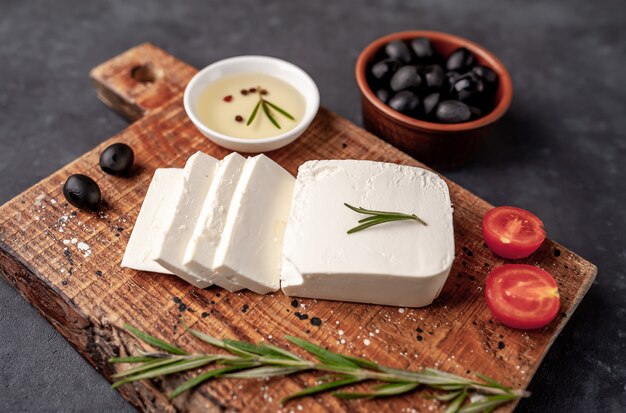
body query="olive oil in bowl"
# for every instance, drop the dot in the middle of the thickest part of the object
(250, 106)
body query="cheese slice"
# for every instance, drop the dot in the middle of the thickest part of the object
(208, 230)
(400, 263)
(169, 248)
(250, 247)
(157, 204)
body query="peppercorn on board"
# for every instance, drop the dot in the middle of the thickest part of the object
(66, 263)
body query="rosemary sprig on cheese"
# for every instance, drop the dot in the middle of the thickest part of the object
(259, 361)
(379, 217)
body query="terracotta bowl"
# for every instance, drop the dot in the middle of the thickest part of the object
(435, 144)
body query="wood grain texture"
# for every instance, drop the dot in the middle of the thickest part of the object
(66, 264)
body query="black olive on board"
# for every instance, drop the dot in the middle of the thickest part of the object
(406, 77)
(453, 111)
(461, 59)
(422, 48)
(434, 76)
(383, 95)
(82, 192)
(405, 102)
(385, 68)
(430, 102)
(117, 159)
(397, 49)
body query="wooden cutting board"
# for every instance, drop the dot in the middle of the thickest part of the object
(66, 263)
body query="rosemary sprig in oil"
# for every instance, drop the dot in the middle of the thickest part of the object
(379, 217)
(266, 106)
(258, 361)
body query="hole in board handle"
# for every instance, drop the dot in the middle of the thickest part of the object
(145, 73)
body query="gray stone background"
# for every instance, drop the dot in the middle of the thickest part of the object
(557, 153)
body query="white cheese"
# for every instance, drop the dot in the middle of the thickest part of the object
(250, 248)
(399, 263)
(169, 248)
(208, 230)
(157, 204)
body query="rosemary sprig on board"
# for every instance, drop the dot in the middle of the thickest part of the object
(379, 217)
(266, 106)
(258, 361)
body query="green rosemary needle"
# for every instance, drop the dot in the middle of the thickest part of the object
(266, 106)
(379, 217)
(259, 361)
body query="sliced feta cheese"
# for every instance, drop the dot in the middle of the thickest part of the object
(158, 204)
(169, 248)
(250, 248)
(400, 263)
(208, 230)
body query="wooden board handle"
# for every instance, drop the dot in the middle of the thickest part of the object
(141, 80)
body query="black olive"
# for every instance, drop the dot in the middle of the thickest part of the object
(461, 59)
(476, 112)
(404, 102)
(485, 74)
(397, 49)
(117, 159)
(434, 76)
(385, 68)
(82, 192)
(406, 77)
(468, 87)
(383, 95)
(430, 102)
(422, 48)
(453, 111)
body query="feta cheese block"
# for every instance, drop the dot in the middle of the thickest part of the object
(169, 247)
(208, 230)
(401, 263)
(250, 248)
(157, 205)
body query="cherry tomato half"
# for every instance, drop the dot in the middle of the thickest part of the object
(522, 296)
(512, 232)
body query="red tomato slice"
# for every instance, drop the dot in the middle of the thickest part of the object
(522, 296)
(512, 233)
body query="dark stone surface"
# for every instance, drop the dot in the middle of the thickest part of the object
(557, 152)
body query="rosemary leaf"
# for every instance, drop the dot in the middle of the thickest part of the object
(177, 367)
(243, 348)
(323, 355)
(206, 338)
(279, 352)
(191, 383)
(280, 110)
(490, 381)
(488, 403)
(269, 114)
(456, 403)
(379, 217)
(321, 388)
(131, 359)
(145, 366)
(376, 221)
(264, 371)
(153, 341)
(444, 397)
(386, 390)
(254, 112)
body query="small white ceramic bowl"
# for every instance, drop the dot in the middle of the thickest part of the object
(281, 69)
